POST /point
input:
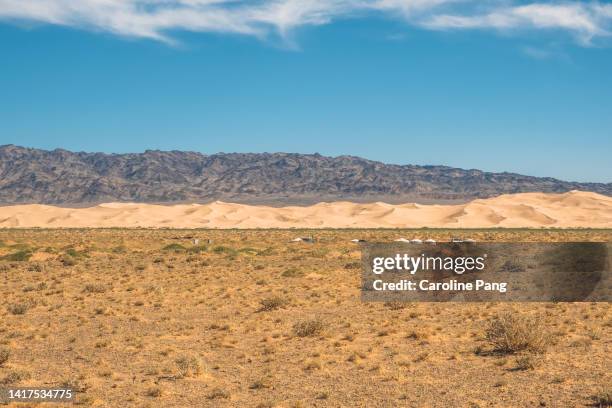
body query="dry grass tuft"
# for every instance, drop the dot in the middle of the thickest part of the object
(510, 333)
(308, 328)
(395, 305)
(272, 303)
(292, 273)
(526, 362)
(603, 399)
(154, 392)
(4, 356)
(18, 308)
(218, 393)
(94, 288)
(189, 366)
(14, 377)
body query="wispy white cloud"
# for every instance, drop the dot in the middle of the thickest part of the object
(583, 20)
(157, 19)
(546, 52)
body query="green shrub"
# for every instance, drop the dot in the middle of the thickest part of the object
(224, 250)
(76, 254)
(197, 249)
(174, 247)
(19, 256)
(292, 273)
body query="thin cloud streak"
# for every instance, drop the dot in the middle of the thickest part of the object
(157, 19)
(584, 21)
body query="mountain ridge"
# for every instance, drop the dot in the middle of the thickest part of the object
(62, 177)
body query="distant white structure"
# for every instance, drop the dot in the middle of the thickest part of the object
(402, 240)
(430, 241)
(303, 239)
(469, 240)
(455, 239)
(358, 240)
(196, 242)
(416, 241)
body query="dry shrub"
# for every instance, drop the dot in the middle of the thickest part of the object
(603, 399)
(154, 392)
(188, 366)
(395, 305)
(77, 384)
(18, 308)
(4, 356)
(94, 288)
(272, 303)
(526, 362)
(509, 333)
(308, 328)
(292, 273)
(67, 260)
(218, 393)
(15, 376)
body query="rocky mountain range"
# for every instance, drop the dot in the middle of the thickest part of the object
(77, 178)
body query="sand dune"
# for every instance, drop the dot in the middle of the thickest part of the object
(572, 209)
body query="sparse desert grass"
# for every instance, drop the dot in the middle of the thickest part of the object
(129, 323)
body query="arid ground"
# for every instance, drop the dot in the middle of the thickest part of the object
(147, 318)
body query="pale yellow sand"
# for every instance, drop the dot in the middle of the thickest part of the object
(573, 209)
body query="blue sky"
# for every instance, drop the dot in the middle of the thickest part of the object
(496, 85)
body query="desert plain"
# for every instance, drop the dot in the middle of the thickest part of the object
(245, 318)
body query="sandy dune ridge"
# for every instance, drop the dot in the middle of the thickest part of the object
(572, 209)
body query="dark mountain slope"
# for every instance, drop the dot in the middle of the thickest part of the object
(63, 177)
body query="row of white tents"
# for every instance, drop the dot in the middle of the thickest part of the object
(419, 241)
(405, 240)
